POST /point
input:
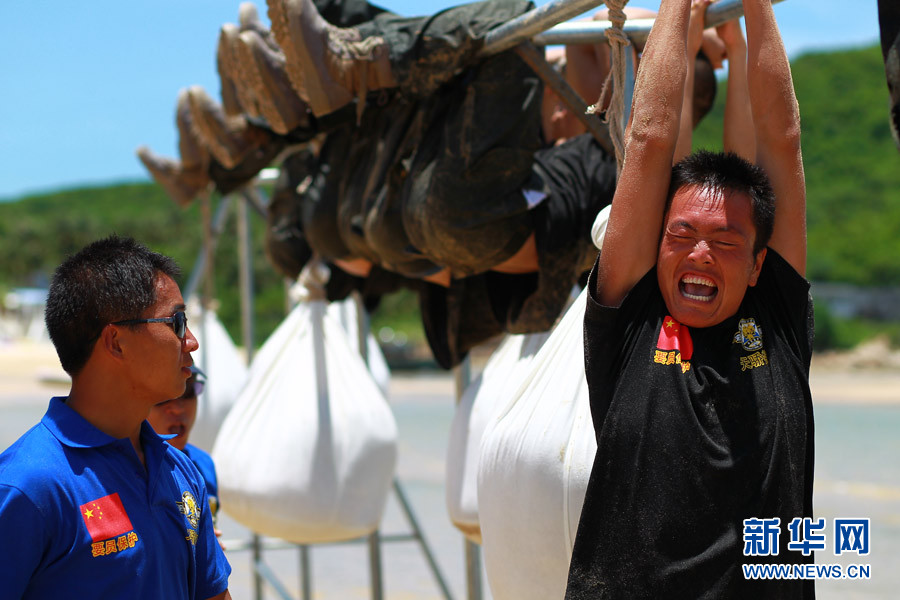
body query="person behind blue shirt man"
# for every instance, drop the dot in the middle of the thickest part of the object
(175, 418)
(93, 503)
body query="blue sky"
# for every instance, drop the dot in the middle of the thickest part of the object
(85, 83)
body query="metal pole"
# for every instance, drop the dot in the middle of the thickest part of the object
(534, 58)
(246, 278)
(374, 539)
(257, 200)
(374, 543)
(474, 590)
(362, 326)
(417, 533)
(533, 22)
(637, 30)
(218, 226)
(206, 294)
(473, 570)
(255, 562)
(305, 573)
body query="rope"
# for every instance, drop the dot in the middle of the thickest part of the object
(310, 284)
(619, 44)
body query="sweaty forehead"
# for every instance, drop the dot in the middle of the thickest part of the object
(710, 209)
(708, 199)
(698, 197)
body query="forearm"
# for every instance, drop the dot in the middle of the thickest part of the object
(776, 121)
(776, 114)
(630, 246)
(686, 127)
(660, 78)
(739, 135)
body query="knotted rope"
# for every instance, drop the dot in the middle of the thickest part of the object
(619, 45)
(310, 284)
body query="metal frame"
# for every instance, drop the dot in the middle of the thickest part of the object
(263, 573)
(590, 32)
(542, 26)
(462, 375)
(248, 197)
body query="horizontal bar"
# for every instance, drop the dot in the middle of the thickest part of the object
(593, 32)
(637, 30)
(533, 22)
(236, 545)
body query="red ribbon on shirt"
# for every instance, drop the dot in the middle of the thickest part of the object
(675, 336)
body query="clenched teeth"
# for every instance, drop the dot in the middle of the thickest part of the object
(704, 287)
(698, 280)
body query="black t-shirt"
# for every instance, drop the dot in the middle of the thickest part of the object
(696, 431)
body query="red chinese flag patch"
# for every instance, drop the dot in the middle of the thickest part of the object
(675, 336)
(105, 518)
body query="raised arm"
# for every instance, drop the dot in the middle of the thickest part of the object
(632, 236)
(738, 133)
(694, 42)
(776, 120)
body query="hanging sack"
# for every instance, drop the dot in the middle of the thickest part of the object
(225, 368)
(535, 462)
(489, 392)
(345, 312)
(307, 454)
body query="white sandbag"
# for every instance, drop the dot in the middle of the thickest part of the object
(535, 462)
(307, 454)
(598, 229)
(346, 314)
(225, 369)
(489, 392)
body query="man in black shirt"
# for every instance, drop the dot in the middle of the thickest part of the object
(698, 337)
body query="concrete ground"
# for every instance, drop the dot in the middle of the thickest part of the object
(857, 475)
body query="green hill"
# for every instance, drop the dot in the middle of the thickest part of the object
(852, 170)
(37, 232)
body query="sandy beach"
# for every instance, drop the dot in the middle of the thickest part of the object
(864, 376)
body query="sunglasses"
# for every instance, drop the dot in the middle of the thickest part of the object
(178, 321)
(193, 389)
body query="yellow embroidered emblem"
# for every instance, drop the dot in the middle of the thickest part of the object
(749, 335)
(189, 508)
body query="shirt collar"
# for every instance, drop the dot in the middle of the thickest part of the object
(75, 431)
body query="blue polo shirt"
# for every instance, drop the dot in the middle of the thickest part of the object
(80, 517)
(204, 463)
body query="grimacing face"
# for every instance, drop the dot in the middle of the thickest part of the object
(705, 262)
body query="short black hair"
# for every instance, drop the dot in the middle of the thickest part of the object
(726, 171)
(109, 280)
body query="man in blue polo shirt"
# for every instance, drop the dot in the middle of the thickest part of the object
(93, 503)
